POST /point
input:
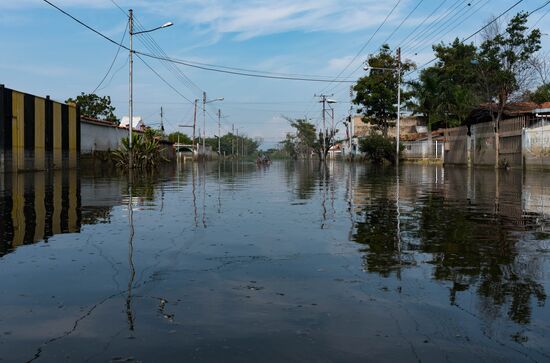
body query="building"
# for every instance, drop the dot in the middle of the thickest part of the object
(137, 124)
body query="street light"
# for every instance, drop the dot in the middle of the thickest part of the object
(131, 90)
(204, 102)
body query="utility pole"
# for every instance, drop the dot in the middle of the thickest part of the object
(237, 142)
(204, 123)
(397, 131)
(324, 101)
(131, 90)
(219, 133)
(161, 121)
(194, 126)
(350, 135)
(232, 139)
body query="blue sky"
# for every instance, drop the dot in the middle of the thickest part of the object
(46, 53)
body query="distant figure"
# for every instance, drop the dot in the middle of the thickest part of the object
(262, 160)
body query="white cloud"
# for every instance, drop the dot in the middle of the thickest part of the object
(253, 18)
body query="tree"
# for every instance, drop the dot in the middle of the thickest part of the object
(288, 146)
(505, 56)
(94, 106)
(379, 148)
(541, 94)
(446, 92)
(377, 92)
(427, 97)
(239, 145)
(306, 137)
(179, 137)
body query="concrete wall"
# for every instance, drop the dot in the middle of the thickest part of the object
(483, 149)
(479, 149)
(457, 146)
(99, 136)
(418, 150)
(536, 147)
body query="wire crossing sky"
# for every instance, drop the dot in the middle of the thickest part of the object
(266, 58)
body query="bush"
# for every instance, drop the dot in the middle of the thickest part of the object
(379, 148)
(146, 153)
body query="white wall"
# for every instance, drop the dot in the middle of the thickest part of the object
(96, 137)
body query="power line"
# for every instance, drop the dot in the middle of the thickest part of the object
(403, 21)
(124, 64)
(162, 79)
(453, 24)
(113, 62)
(366, 44)
(437, 23)
(422, 23)
(480, 30)
(247, 73)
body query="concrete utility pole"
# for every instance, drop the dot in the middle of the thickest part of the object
(398, 131)
(131, 90)
(324, 100)
(131, 86)
(219, 132)
(204, 123)
(232, 139)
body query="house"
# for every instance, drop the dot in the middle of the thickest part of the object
(335, 151)
(137, 123)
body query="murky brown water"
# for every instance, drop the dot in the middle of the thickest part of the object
(292, 262)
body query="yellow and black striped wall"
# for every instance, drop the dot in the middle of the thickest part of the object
(37, 133)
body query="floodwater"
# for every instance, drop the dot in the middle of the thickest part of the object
(291, 262)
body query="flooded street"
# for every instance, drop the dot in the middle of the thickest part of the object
(291, 262)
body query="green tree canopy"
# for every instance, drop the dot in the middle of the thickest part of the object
(307, 140)
(541, 94)
(446, 92)
(503, 57)
(94, 106)
(231, 144)
(183, 138)
(377, 92)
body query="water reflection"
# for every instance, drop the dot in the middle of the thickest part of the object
(467, 232)
(36, 206)
(335, 262)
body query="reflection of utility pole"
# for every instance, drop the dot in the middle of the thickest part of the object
(194, 126)
(194, 195)
(129, 312)
(204, 123)
(219, 132)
